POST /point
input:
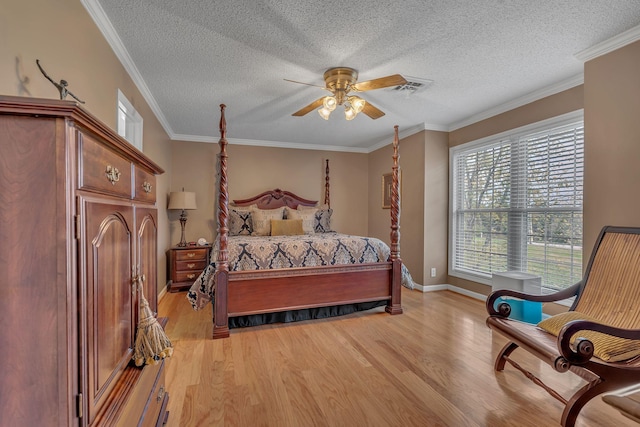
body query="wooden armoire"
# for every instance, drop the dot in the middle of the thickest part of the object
(78, 226)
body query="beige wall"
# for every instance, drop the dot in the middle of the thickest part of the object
(436, 206)
(62, 35)
(542, 109)
(612, 142)
(424, 201)
(355, 189)
(411, 160)
(545, 108)
(252, 170)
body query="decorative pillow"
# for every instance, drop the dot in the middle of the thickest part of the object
(323, 217)
(286, 227)
(323, 221)
(606, 347)
(240, 223)
(308, 217)
(261, 220)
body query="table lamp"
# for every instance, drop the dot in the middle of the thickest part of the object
(182, 200)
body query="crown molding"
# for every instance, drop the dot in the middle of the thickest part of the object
(264, 143)
(519, 102)
(401, 135)
(111, 36)
(614, 43)
(298, 146)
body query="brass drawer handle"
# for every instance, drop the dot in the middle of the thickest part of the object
(191, 254)
(160, 394)
(113, 174)
(191, 265)
(147, 187)
(191, 276)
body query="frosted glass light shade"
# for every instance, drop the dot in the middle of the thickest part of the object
(324, 113)
(349, 113)
(357, 103)
(330, 103)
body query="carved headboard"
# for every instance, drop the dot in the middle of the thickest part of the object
(274, 199)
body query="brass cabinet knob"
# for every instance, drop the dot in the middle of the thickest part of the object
(113, 174)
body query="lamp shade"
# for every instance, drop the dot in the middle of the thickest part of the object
(185, 200)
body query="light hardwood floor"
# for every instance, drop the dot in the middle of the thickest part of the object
(431, 366)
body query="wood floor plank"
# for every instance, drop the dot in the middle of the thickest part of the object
(431, 366)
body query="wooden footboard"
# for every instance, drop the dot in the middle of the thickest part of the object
(241, 293)
(264, 291)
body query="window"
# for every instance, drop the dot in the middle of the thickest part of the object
(129, 122)
(516, 203)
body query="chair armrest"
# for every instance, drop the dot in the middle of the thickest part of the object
(503, 311)
(582, 350)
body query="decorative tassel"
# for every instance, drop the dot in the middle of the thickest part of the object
(152, 344)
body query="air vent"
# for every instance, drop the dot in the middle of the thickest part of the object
(413, 85)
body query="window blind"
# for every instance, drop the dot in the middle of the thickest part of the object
(517, 205)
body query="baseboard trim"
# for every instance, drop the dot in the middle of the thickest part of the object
(456, 289)
(163, 292)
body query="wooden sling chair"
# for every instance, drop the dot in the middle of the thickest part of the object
(595, 339)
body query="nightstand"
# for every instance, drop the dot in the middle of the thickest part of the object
(185, 265)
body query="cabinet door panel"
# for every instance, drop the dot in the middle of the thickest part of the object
(35, 327)
(109, 327)
(147, 248)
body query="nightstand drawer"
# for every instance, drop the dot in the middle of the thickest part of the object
(185, 264)
(191, 265)
(192, 254)
(186, 276)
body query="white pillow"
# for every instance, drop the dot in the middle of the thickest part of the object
(308, 217)
(261, 219)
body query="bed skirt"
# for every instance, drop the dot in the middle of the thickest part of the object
(302, 314)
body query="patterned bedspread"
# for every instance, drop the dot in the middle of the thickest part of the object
(273, 252)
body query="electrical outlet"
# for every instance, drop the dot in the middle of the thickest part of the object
(433, 272)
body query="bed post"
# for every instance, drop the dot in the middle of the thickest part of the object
(327, 198)
(394, 306)
(220, 317)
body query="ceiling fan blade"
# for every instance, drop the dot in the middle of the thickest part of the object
(315, 104)
(307, 84)
(394, 80)
(372, 111)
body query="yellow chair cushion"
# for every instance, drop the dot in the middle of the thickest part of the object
(286, 227)
(605, 347)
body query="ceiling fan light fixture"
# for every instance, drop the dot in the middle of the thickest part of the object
(330, 103)
(340, 81)
(349, 113)
(357, 103)
(324, 113)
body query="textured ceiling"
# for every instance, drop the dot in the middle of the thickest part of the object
(190, 56)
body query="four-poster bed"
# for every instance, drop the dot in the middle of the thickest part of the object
(360, 272)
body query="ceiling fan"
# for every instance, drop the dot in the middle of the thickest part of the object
(341, 81)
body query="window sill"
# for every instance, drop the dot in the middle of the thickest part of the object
(487, 282)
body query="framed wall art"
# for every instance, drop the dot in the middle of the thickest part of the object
(387, 182)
